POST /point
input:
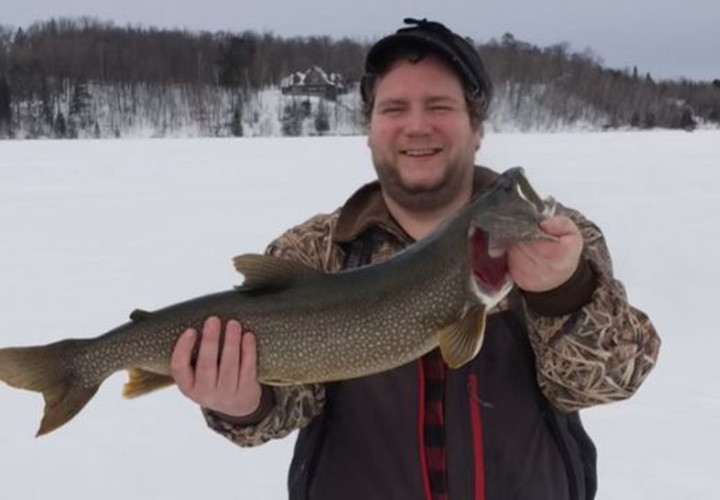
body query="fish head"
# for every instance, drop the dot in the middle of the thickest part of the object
(508, 213)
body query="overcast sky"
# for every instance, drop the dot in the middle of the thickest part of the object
(668, 38)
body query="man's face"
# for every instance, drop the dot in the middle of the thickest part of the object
(421, 139)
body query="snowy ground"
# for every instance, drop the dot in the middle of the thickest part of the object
(90, 230)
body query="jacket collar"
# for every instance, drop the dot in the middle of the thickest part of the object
(366, 208)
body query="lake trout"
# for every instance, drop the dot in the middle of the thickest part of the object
(311, 326)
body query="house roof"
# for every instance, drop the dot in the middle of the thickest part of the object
(316, 73)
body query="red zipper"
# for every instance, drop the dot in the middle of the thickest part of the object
(421, 430)
(476, 421)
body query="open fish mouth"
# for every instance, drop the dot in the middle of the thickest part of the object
(490, 269)
(512, 213)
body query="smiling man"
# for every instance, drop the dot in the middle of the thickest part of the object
(505, 425)
(422, 141)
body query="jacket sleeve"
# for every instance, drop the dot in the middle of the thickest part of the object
(591, 345)
(287, 408)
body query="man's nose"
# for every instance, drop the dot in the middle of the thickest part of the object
(418, 122)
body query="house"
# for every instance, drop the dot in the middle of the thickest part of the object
(313, 82)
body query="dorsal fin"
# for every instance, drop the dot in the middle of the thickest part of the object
(266, 271)
(461, 341)
(139, 315)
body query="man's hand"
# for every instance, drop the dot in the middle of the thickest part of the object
(539, 266)
(226, 384)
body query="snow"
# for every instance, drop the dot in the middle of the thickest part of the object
(181, 111)
(145, 111)
(94, 229)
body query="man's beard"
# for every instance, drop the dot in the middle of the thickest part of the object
(425, 198)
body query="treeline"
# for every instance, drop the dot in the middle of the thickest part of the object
(102, 52)
(48, 70)
(626, 97)
(51, 73)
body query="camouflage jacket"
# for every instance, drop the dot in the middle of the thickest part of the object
(591, 346)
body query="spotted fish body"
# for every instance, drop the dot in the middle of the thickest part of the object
(310, 326)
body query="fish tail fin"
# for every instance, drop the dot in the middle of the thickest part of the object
(143, 382)
(49, 370)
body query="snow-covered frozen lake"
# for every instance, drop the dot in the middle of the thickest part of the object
(90, 230)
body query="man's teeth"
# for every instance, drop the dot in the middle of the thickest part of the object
(421, 152)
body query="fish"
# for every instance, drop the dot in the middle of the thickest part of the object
(312, 326)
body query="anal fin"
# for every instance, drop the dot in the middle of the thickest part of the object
(142, 382)
(461, 341)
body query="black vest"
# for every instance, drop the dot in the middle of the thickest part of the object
(502, 435)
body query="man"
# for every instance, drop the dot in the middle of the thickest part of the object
(506, 424)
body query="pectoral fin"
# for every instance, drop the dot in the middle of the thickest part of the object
(142, 382)
(461, 341)
(266, 271)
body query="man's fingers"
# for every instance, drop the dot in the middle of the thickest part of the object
(207, 363)
(227, 385)
(230, 358)
(559, 225)
(524, 252)
(248, 365)
(180, 363)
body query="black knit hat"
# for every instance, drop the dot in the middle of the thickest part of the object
(459, 52)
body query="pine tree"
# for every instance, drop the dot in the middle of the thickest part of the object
(292, 120)
(322, 119)
(5, 107)
(687, 122)
(649, 120)
(46, 107)
(80, 112)
(235, 61)
(236, 125)
(60, 127)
